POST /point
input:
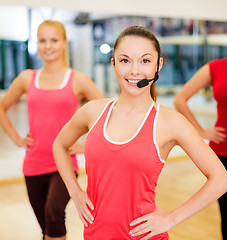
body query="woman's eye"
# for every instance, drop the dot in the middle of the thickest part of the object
(145, 61)
(54, 40)
(124, 60)
(42, 41)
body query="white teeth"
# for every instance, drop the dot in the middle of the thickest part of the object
(48, 53)
(133, 81)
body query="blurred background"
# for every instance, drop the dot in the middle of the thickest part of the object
(187, 42)
(191, 34)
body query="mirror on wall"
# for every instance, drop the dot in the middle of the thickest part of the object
(186, 44)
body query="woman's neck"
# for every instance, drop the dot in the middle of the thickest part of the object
(138, 103)
(54, 66)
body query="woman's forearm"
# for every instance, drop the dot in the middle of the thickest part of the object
(182, 107)
(65, 167)
(211, 190)
(8, 127)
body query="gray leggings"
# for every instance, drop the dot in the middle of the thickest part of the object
(48, 197)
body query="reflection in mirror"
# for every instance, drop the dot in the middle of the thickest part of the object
(186, 44)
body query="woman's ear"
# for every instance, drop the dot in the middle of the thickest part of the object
(112, 62)
(160, 64)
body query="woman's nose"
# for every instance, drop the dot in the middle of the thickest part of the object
(48, 44)
(135, 69)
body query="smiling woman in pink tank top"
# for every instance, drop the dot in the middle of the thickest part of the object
(53, 95)
(128, 141)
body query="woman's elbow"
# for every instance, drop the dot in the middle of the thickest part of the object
(220, 181)
(56, 145)
(177, 101)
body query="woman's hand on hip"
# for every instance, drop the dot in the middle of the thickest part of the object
(84, 207)
(26, 142)
(215, 134)
(152, 224)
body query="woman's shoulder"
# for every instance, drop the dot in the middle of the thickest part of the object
(92, 110)
(218, 61)
(171, 128)
(26, 77)
(97, 105)
(171, 118)
(174, 123)
(23, 80)
(79, 76)
(166, 111)
(27, 73)
(78, 73)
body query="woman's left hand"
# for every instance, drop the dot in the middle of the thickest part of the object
(152, 224)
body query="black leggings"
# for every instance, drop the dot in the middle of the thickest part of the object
(223, 205)
(48, 197)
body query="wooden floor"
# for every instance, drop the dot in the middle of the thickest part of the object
(178, 181)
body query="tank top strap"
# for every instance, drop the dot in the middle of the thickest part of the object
(150, 128)
(68, 79)
(102, 117)
(34, 76)
(150, 119)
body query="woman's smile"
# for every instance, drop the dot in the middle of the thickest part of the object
(133, 82)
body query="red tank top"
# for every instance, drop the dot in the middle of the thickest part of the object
(122, 177)
(48, 112)
(218, 72)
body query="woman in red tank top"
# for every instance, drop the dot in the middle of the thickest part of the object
(128, 141)
(213, 73)
(53, 95)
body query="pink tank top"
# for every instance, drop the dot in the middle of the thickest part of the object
(48, 112)
(122, 177)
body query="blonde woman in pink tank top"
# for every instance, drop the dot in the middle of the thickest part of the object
(53, 95)
(128, 142)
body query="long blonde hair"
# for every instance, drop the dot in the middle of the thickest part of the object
(61, 28)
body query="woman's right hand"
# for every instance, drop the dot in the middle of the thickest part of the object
(214, 134)
(26, 142)
(83, 205)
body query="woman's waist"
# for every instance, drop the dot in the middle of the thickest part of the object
(115, 231)
(110, 210)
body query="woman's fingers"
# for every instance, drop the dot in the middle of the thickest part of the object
(215, 134)
(151, 224)
(84, 204)
(87, 214)
(27, 142)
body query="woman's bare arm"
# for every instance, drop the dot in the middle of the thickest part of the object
(18, 87)
(199, 81)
